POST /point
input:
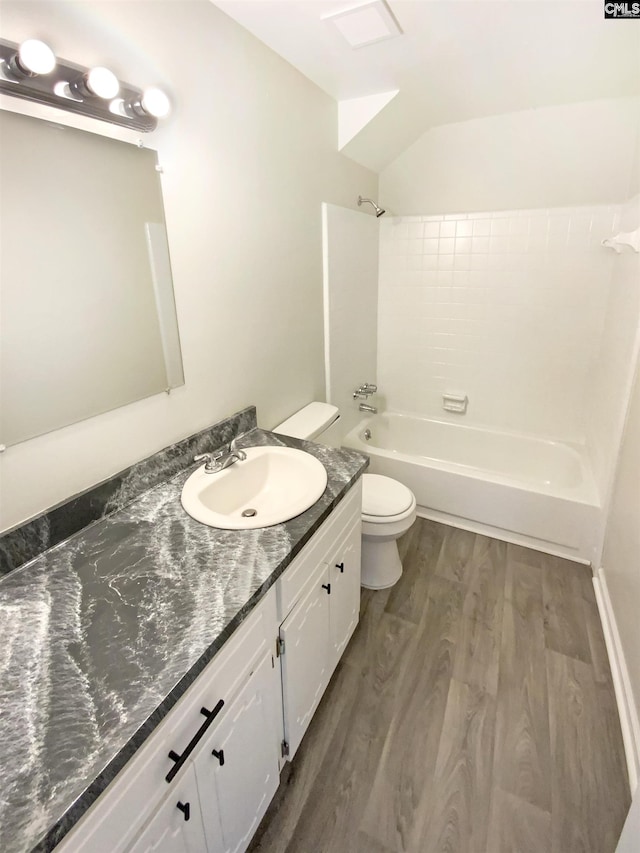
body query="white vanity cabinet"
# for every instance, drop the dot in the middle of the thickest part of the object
(344, 577)
(176, 826)
(237, 766)
(204, 779)
(319, 624)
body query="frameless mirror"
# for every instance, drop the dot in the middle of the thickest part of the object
(87, 312)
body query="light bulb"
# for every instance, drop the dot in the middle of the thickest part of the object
(102, 83)
(36, 57)
(155, 103)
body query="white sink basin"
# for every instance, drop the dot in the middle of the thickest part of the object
(273, 484)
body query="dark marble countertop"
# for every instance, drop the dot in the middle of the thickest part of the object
(101, 635)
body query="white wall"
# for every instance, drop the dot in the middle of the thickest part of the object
(249, 156)
(621, 555)
(506, 307)
(351, 306)
(553, 156)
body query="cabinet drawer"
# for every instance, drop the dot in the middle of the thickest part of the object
(294, 581)
(115, 818)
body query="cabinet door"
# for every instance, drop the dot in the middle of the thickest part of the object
(344, 574)
(237, 765)
(305, 662)
(176, 825)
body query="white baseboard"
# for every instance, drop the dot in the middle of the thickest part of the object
(629, 720)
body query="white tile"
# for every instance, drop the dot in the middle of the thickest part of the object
(481, 227)
(463, 244)
(464, 228)
(462, 262)
(499, 243)
(445, 278)
(448, 229)
(431, 247)
(499, 226)
(580, 224)
(538, 226)
(479, 244)
(519, 225)
(518, 243)
(447, 245)
(431, 229)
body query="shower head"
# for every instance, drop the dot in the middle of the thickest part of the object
(379, 210)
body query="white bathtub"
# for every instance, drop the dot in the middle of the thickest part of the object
(513, 486)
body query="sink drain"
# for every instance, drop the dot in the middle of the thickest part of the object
(249, 513)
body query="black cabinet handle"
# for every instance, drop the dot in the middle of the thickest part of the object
(327, 586)
(340, 566)
(185, 808)
(180, 759)
(219, 754)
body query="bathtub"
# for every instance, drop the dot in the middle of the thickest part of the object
(516, 487)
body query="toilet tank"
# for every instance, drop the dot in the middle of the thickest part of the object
(315, 421)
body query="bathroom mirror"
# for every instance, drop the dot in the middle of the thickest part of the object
(87, 312)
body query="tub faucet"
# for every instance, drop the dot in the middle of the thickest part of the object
(365, 407)
(365, 391)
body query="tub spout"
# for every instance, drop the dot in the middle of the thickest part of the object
(365, 407)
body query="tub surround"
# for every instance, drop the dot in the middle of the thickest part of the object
(105, 631)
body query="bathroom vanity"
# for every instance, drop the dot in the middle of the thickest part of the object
(184, 666)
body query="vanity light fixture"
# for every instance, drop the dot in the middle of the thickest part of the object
(97, 81)
(31, 71)
(33, 57)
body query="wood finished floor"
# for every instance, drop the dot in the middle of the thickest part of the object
(473, 712)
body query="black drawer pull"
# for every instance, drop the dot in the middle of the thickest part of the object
(219, 754)
(340, 566)
(185, 808)
(180, 759)
(327, 586)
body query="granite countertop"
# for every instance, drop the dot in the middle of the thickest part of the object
(101, 635)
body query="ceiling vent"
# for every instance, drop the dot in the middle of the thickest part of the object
(366, 24)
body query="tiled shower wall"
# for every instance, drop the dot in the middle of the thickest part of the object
(614, 371)
(506, 307)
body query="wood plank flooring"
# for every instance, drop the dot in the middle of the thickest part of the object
(473, 712)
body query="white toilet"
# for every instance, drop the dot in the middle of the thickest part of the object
(388, 507)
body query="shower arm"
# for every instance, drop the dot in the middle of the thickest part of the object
(379, 210)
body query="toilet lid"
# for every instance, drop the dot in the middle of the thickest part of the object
(383, 496)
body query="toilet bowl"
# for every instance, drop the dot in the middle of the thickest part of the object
(388, 511)
(388, 507)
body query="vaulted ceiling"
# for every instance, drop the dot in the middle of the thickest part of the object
(456, 60)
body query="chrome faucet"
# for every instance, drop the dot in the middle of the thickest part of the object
(233, 446)
(365, 407)
(216, 462)
(365, 391)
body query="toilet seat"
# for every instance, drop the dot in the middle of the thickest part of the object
(384, 500)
